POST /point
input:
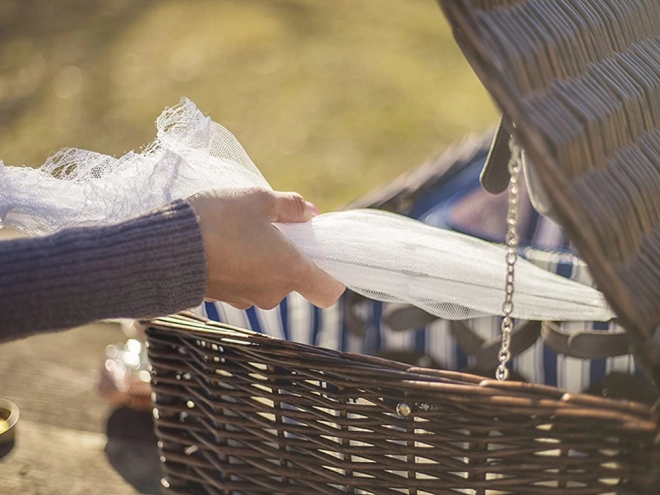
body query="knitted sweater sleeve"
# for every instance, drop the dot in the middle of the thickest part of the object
(148, 266)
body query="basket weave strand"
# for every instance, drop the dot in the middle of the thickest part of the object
(238, 412)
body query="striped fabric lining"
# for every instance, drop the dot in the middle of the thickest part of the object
(297, 320)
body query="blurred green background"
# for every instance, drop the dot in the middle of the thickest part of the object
(331, 98)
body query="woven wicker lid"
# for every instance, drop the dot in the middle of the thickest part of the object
(580, 79)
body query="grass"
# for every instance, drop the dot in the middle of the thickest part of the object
(330, 98)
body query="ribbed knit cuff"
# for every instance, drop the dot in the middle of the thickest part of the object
(151, 265)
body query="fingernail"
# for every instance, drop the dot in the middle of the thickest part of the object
(312, 207)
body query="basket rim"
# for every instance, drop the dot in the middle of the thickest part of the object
(519, 395)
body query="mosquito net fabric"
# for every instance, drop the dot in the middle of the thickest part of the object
(375, 253)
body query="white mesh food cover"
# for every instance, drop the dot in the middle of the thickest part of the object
(378, 254)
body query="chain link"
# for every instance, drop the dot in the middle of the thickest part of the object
(515, 164)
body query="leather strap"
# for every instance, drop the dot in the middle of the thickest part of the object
(486, 352)
(402, 317)
(587, 344)
(494, 176)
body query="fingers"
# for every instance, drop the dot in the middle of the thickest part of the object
(312, 207)
(314, 284)
(248, 261)
(318, 287)
(290, 207)
(243, 306)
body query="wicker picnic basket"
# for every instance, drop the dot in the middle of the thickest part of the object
(242, 413)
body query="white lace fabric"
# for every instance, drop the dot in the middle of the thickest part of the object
(378, 254)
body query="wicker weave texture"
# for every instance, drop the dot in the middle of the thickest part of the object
(581, 81)
(238, 412)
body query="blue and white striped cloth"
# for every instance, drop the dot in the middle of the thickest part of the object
(544, 244)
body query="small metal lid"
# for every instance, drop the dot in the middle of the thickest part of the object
(8, 420)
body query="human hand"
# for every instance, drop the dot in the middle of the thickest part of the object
(249, 262)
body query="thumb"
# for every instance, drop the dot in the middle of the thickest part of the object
(290, 207)
(317, 286)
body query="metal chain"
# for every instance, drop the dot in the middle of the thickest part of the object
(515, 164)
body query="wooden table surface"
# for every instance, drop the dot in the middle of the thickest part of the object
(61, 438)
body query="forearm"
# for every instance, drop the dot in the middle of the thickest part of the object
(152, 265)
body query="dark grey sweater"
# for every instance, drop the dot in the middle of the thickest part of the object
(149, 266)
